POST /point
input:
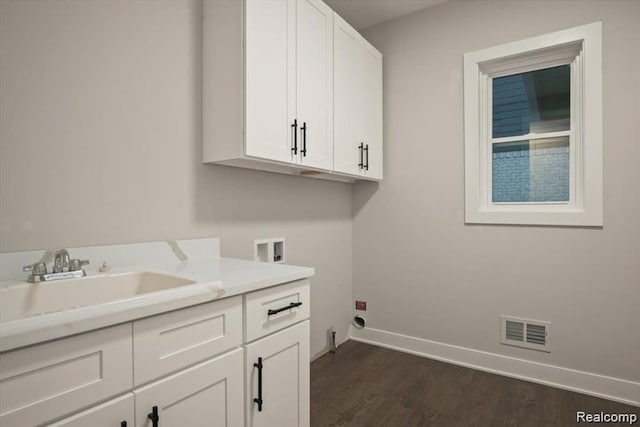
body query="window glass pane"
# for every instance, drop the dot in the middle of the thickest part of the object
(531, 171)
(536, 101)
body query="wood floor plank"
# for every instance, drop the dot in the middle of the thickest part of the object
(367, 386)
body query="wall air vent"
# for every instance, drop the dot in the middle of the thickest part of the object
(532, 334)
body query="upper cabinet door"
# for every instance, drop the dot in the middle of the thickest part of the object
(357, 103)
(347, 116)
(270, 33)
(371, 105)
(315, 83)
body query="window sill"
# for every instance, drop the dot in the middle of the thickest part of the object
(540, 216)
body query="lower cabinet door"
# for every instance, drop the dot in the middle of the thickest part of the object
(208, 394)
(114, 413)
(277, 373)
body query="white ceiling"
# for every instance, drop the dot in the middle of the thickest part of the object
(365, 13)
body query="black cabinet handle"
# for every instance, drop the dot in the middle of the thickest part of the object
(287, 307)
(154, 417)
(258, 399)
(294, 128)
(360, 148)
(303, 131)
(366, 157)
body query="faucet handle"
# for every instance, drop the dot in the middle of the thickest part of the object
(36, 268)
(77, 264)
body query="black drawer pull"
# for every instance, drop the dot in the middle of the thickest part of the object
(303, 131)
(361, 148)
(153, 416)
(258, 399)
(288, 307)
(294, 128)
(366, 150)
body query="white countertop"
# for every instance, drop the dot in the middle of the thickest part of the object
(215, 278)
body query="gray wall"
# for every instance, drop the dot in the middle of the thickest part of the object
(425, 273)
(100, 143)
(100, 118)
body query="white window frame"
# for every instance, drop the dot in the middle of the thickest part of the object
(582, 48)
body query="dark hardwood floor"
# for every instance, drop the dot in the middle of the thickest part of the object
(365, 385)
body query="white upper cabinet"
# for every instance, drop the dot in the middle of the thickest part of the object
(314, 67)
(270, 86)
(371, 99)
(357, 103)
(347, 115)
(270, 98)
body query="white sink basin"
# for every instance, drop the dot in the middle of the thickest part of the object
(33, 299)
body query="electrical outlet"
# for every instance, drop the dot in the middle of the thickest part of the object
(361, 305)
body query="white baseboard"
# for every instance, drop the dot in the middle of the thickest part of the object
(616, 389)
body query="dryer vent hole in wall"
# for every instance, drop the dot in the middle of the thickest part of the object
(526, 333)
(359, 322)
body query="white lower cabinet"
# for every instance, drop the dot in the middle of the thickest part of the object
(277, 373)
(208, 394)
(118, 412)
(185, 368)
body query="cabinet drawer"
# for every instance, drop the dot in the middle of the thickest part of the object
(168, 342)
(47, 380)
(276, 300)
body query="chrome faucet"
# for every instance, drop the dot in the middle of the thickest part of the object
(61, 261)
(63, 268)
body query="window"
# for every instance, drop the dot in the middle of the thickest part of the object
(533, 130)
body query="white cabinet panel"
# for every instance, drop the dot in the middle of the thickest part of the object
(110, 414)
(171, 341)
(285, 379)
(270, 78)
(45, 381)
(206, 395)
(314, 87)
